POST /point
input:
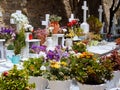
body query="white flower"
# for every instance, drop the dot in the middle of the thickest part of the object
(51, 28)
(42, 67)
(19, 18)
(64, 30)
(28, 27)
(42, 54)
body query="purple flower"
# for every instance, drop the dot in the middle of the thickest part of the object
(50, 54)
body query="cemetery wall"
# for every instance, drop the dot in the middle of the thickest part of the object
(36, 9)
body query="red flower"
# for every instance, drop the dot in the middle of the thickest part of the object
(5, 73)
(74, 22)
(70, 24)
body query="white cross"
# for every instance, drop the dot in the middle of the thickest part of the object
(46, 22)
(71, 17)
(100, 10)
(85, 8)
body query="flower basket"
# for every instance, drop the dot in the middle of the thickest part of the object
(60, 85)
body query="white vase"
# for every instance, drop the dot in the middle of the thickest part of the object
(60, 85)
(91, 87)
(40, 83)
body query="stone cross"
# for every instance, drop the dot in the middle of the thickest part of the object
(100, 10)
(71, 17)
(46, 22)
(85, 8)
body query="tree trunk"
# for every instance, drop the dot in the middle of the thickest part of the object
(113, 10)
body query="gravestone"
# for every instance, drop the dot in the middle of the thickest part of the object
(100, 10)
(85, 25)
(46, 22)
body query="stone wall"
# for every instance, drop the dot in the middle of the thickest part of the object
(36, 9)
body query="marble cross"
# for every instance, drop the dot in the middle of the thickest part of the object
(71, 17)
(100, 10)
(85, 8)
(46, 22)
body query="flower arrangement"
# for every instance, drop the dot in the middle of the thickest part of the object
(36, 48)
(15, 79)
(87, 69)
(73, 28)
(79, 47)
(7, 33)
(33, 66)
(41, 34)
(56, 54)
(54, 18)
(58, 70)
(18, 17)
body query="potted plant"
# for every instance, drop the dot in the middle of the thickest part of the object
(58, 71)
(35, 67)
(90, 72)
(58, 75)
(79, 47)
(18, 43)
(54, 22)
(15, 79)
(95, 24)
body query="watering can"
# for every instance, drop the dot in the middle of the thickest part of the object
(15, 59)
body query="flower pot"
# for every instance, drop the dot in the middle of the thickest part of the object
(40, 83)
(56, 27)
(115, 80)
(60, 85)
(91, 87)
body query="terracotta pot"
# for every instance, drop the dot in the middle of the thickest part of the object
(56, 27)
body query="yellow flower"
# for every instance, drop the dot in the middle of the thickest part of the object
(64, 63)
(55, 64)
